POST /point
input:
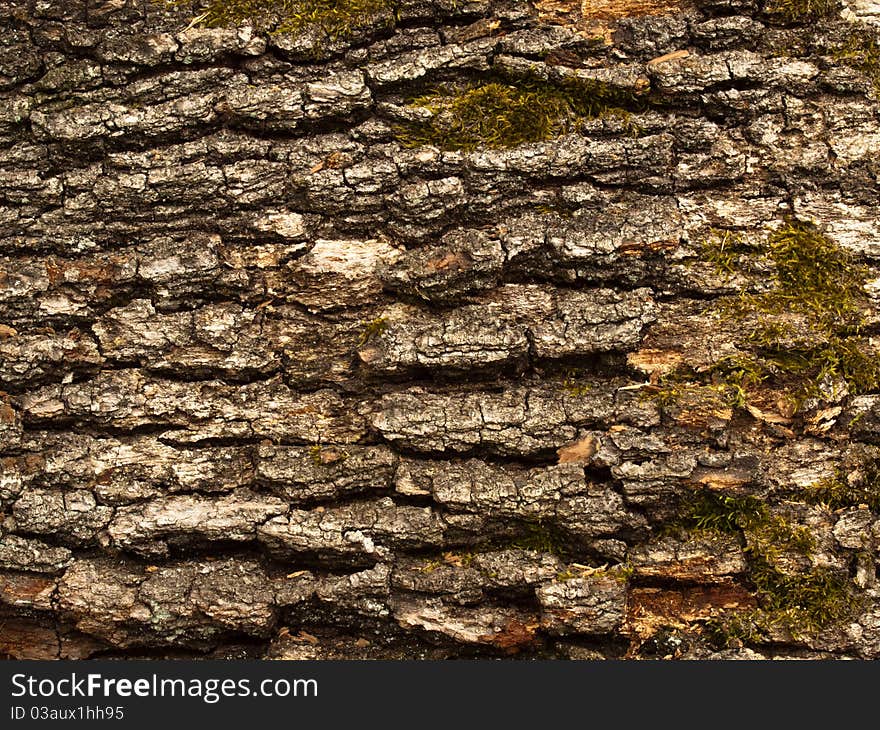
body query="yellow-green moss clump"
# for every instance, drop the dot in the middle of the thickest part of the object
(542, 537)
(795, 11)
(686, 401)
(336, 18)
(814, 276)
(807, 330)
(803, 602)
(848, 489)
(861, 51)
(508, 113)
(799, 602)
(372, 329)
(724, 249)
(576, 383)
(705, 510)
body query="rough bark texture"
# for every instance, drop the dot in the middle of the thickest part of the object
(278, 386)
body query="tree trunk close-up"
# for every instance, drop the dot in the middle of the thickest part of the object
(427, 329)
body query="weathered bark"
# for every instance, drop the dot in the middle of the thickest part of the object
(278, 386)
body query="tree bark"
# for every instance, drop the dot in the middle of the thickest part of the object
(276, 385)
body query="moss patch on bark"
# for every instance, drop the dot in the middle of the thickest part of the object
(506, 113)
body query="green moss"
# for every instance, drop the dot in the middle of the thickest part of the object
(733, 630)
(622, 573)
(448, 558)
(558, 209)
(543, 538)
(315, 454)
(804, 372)
(812, 276)
(801, 10)
(773, 535)
(723, 249)
(805, 330)
(574, 383)
(326, 456)
(739, 372)
(509, 112)
(803, 603)
(817, 285)
(847, 490)
(815, 276)
(845, 357)
(372, 329)
(705, 510)
(800, 602)
(677, 398)
(771, 332)
(861, 51)
(336, 18)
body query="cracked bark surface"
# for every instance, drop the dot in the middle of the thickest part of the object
(275, 385)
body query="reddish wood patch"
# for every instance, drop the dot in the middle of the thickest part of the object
(649, 609)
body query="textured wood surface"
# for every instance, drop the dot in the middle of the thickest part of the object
(275, 385)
